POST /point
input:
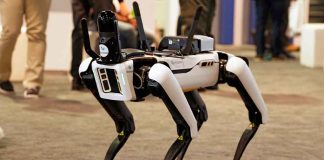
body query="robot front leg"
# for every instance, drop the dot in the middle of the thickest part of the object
(164, 85)
(117, 110)
(236, 73)
(124, 122)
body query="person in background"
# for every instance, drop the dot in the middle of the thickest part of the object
(1, 133)
(126, 24)
(12, 13)
(187, 13)
(278, 10)
(80, 9)
(90, 9)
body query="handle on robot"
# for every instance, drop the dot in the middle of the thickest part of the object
(86, 41)
(187, 48)
(144, 45)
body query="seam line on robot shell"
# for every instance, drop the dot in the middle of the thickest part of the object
(178, 71)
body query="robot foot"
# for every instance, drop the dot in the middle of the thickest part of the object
(178, 148)
(199, 110)
(245, 139)
(184, 150)
(116, 145)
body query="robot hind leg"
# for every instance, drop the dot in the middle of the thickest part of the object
(237, 74)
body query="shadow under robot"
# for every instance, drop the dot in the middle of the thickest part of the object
(173, 73)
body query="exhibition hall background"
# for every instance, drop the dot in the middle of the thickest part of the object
(232, 25)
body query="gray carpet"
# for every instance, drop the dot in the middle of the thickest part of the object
(67, 125)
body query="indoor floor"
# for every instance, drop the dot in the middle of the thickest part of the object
(69, 125)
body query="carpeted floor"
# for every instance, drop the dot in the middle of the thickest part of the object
(68, 125)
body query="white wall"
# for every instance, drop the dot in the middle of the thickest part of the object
(241, 21)
(147, 8)
(167, 13)
(59, 29)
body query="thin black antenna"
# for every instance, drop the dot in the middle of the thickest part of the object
(86, 41)
(144, 45)
(187, 48)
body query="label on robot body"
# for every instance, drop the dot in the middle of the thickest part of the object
(170, 41)
(176, 63)
(104, 51)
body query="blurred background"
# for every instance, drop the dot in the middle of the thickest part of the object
(68, 125)
(234, 24)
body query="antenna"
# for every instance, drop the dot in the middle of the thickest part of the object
(86, 41)
(187, 48)
(144, 45)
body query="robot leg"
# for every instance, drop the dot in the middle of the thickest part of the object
(164, 85)
(237, 74)
(197, 106)
(124, 125)
(199, 110)
(117, 110)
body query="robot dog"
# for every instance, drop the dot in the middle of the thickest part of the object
(173, 73)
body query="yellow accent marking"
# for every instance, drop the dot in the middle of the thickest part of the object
(121, 133)
(180, 138)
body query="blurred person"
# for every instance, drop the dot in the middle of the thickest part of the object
(278, 10)
(35, 13)
(80, 9)
(296, 21)
(128, 26)
(1, 133)
(187, 12)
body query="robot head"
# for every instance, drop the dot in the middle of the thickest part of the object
(109, 45)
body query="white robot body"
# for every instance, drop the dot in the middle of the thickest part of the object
(194, 71)
(173, 73)
(191, 72)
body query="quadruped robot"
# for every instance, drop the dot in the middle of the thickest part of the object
(173, 72)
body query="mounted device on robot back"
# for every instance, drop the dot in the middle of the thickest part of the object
(193, 44)
(200, 44)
